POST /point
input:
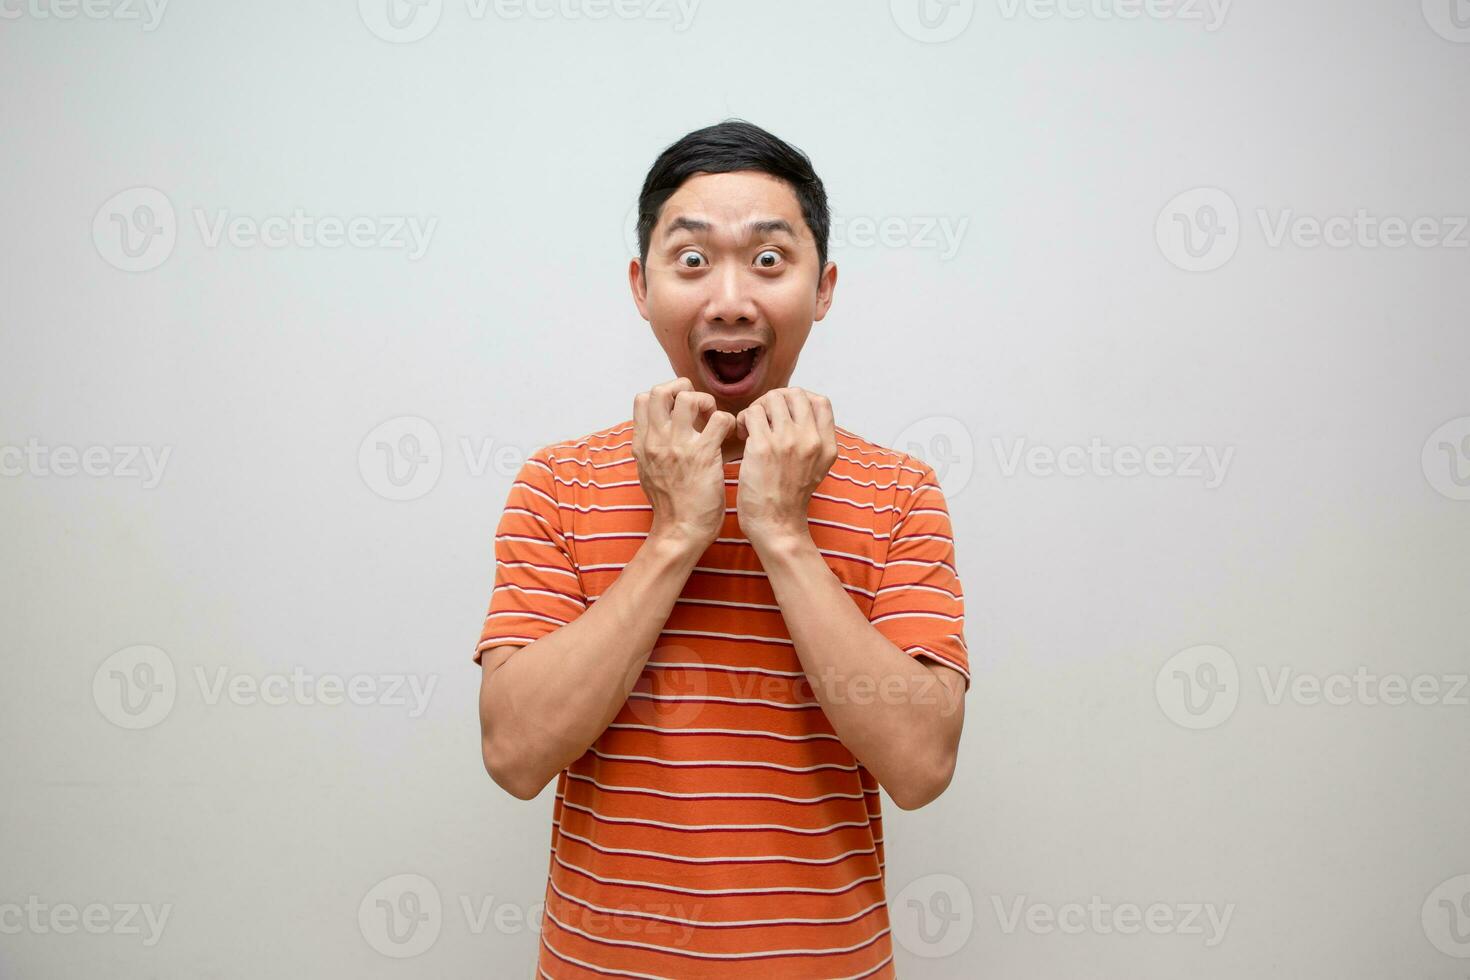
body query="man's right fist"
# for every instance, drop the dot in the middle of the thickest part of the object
(677, 435)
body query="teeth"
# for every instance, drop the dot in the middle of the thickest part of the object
(734, 350)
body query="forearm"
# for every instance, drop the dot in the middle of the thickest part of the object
(542, 708)
(890, 710)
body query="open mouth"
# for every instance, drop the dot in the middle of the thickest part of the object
(732, 365)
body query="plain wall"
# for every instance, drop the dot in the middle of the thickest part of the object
(1330, 383)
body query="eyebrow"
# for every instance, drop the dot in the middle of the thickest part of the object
(758, 227)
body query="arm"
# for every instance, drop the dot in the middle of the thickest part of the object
(541, 708)
(900, 716)
(540, 711)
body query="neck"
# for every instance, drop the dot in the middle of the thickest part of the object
(731, 448)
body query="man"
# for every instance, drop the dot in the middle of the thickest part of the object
(705, 615)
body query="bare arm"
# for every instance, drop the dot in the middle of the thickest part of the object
(901, 716)
(541, 708)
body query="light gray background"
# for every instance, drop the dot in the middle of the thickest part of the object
(1334, 542)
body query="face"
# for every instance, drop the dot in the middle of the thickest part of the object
(732, 284)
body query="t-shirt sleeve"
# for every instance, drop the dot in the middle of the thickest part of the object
(920, 604)
(537, 588)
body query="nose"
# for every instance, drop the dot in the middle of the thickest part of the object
(730, 299)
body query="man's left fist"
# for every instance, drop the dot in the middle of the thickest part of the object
(790, 445)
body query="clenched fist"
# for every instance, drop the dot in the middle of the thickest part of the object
(790, 446)
(677, 434)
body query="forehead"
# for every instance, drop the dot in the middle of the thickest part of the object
(729, 201)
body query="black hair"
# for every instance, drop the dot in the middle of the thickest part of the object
(728, 146)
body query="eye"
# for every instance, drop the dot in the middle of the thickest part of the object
(768, 258)
(690, 259)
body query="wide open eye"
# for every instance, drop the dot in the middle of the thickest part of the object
(690, 259)
(768, 259)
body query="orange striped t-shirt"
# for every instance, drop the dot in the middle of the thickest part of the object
(718, 827)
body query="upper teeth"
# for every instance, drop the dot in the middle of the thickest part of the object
(734, 350)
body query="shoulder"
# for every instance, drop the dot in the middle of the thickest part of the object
(857, 455)
(607, 446)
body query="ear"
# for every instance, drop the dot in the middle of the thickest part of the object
(638, 283)
(826, 286)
